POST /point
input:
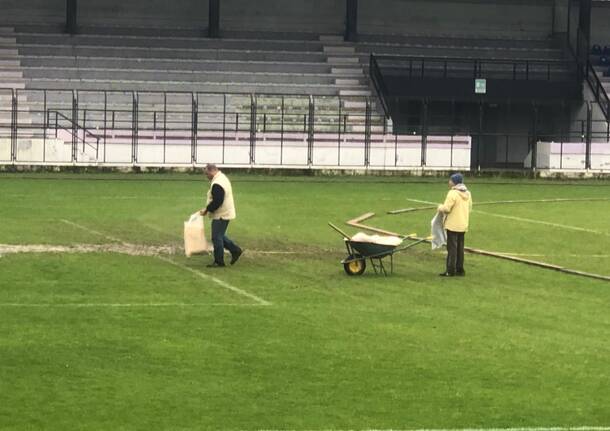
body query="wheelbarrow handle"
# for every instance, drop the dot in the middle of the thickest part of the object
(413, 244)
(346, 236)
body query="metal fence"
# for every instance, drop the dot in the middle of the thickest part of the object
(66, 127)
(57, 127)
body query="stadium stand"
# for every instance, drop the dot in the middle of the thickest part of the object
(289, 76)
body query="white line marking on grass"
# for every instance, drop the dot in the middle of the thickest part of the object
(545, 223)
(198, 273)
(125, 305)
(527, 220)
(86, 229)
(599, 256)
(577, 428)
(217, 281)
(129, 249)
(249, 251)
(531, 201)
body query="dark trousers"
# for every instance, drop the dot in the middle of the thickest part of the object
(455, 252)
(221, 241)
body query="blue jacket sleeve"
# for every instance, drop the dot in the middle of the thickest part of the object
(218, 197)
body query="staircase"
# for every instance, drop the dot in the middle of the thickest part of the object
(352, 83)
(11, 78)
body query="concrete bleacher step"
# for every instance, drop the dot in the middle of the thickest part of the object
(213, 87)
(177, 76)
(7, 40)
(244, 44)
(343, 82)
(361, 129)
(8, 52)
(15, 84)
(8, 64)
(343, 61)
(166, 53)
(332, 38)
(339, 50)
(345, 92)
(9, 73)
(174, 64)
(347, 71)
(356, 104)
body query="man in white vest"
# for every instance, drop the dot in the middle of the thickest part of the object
(221, 209)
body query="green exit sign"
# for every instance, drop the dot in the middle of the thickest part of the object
(480, 86)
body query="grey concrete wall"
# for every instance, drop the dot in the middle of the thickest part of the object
(51, 12)
(524, 19)
(144, 13)
(561, 16)
(600, 24)
(311, 16)
(512, 18)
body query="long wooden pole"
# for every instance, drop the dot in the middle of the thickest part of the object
(356, 222)
(406, 210)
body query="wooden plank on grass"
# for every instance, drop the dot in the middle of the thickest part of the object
(356, 223)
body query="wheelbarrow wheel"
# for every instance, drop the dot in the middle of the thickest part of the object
(356, 266)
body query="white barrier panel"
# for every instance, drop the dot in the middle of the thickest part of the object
(5, 149)
(571, 156)
(290, 149)
(149, 151)
(293, 149)
(117, 147)
(38, 150)
(327, 149)
(443, 151)
(209, 147)
(237, 149)
(383, 151)
(408, 151)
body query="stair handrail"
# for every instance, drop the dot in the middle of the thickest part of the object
(379, 84)
(601, 96)
(78, 127)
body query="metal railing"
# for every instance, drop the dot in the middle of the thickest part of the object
(181, 128)
(379, 84)
(447, 67)
(92, 118)
(601, 96)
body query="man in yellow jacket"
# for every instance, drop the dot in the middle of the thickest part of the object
(456, 208)
(221, 208)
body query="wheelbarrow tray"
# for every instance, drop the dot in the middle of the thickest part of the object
(370, 249)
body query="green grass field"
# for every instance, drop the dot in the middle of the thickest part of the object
(285, 339)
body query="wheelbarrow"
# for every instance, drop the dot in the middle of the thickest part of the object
(358, 252)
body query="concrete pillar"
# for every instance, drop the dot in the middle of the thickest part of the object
(351, 20)
(71, 23)
(214, 19)
(584, 21)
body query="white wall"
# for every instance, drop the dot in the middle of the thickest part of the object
(329, 151)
